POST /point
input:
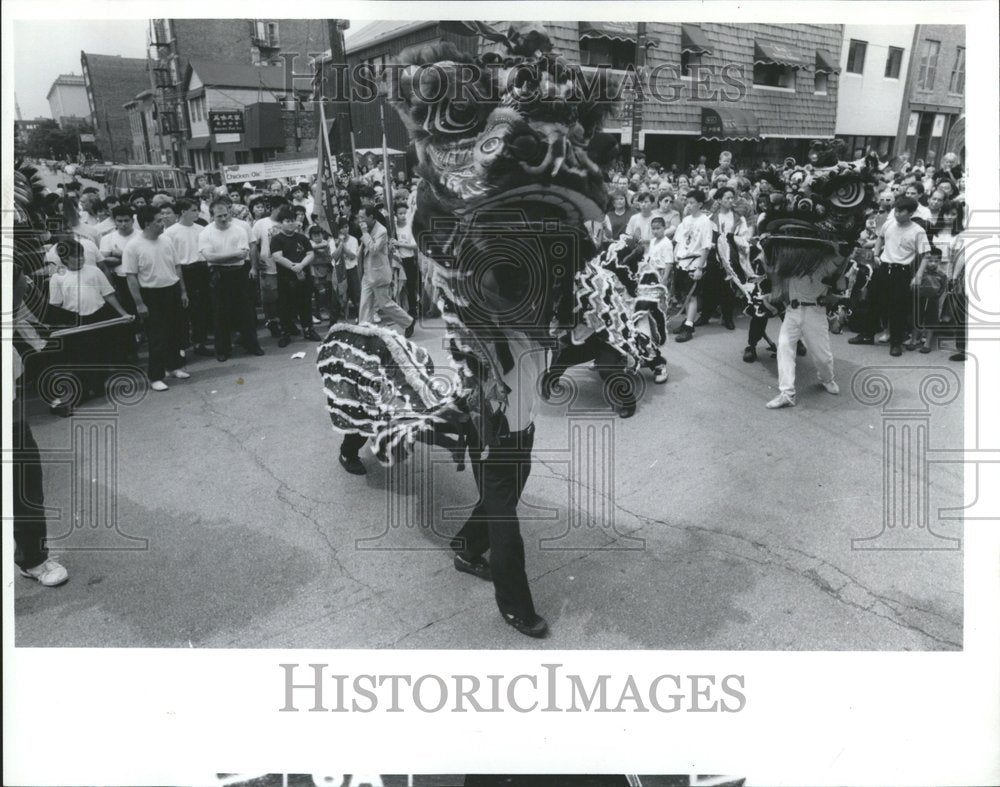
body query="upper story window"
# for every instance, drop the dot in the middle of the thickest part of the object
(893, 62)
(927, 73)
(610, 52)
(856, 57)
(957, 82)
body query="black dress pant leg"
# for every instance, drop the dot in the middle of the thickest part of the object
(29, 499)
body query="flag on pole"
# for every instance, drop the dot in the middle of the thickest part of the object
(325, 188)
(386, 180)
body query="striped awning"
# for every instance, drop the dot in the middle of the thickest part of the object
(825, 63)
(776, 55)
(725, 122)
(618, 31)
(693, 40)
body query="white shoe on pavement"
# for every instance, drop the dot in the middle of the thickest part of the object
(180, 374)
(781, 400)
(158, 385)
(831, 387)
(882, 338)
(50, 573)
(660, 374)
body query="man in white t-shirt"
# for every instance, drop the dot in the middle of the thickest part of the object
(226, 248)
(264, 266)
(900, 246)
(692, 244)
(150, 263)
(184, 235)
(112, 248)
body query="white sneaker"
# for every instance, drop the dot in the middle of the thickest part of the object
(831, 387)
(158, 385)
(882, 338)
(660, 374)
(781, 400)
(180, 374)
(50, 573)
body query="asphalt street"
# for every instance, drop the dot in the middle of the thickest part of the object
(216, 515)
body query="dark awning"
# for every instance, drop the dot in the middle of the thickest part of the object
(728, 123)
(198, 143)
(619, 31)
(693, 40)
(777, 55)
(825, 64)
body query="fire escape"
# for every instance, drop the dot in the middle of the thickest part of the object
(264, 39)
(166, 82)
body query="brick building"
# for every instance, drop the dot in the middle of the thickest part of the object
(111, 82)
(147, 143)
(174, 43)
(761, 91)
(68, 100)
(934, 102)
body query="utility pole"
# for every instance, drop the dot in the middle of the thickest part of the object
(640, 65)
(336, 85)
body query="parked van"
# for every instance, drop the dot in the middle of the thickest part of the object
(124, 178)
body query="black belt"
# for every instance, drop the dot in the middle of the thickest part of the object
(796, 304)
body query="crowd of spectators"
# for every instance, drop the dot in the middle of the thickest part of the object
(194, 271)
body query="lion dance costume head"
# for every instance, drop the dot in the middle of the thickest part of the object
(818, 214)
(507, 180)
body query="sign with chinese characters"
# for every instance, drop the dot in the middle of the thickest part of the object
(226, 121)
(938, 130)
(911, 126)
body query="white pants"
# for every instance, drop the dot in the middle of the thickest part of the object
(809, 324)
(378, 298)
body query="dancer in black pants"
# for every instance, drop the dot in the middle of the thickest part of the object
(493, 526)
(610, 365)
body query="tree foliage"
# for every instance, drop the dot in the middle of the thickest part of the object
(50, 141)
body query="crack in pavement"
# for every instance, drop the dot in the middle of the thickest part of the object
(782, 557)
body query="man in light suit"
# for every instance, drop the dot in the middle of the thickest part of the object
(376, 281)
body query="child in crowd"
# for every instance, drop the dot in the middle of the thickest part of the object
(930, 282)
(293, 255)
(81, 294)
(325, 295)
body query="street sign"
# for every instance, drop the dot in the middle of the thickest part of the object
(292, 168)
(87, 138)
(226, 121)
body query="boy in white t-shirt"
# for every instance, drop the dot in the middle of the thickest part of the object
(900, 246)
(81, 294)
(693, 240)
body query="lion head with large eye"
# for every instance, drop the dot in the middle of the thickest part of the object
(444, 98)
